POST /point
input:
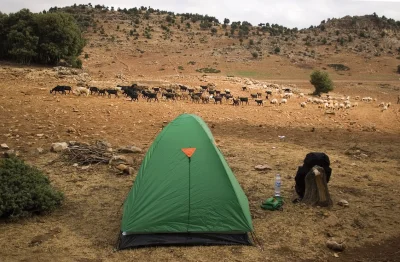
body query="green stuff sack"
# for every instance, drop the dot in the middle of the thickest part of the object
(272, 203)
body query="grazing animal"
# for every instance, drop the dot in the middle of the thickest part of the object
(253, 95)
(60, 89)
(183, 88)
(204, 87)
(205, 99)
(191, 90)
(169, 90)
(211, 92)
(259, 102)
(169, 96)
(244, 100)
(259, 94)
(112, 92)
(303, 104)
(195, 99)
(156, 89)
(283, 101)
(93, 89)
(151, 96)
(268, 92)
(132, 95)
(236, 102)
(218, 99)
(274, 101)
(82, 90)
(102, 92)
(244, 88)
(217, 92)
(68, 88)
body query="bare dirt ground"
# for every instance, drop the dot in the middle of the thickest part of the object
(363, 145)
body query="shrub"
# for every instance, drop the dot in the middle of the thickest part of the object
(277, 50)
(339, 67)
(213, 30)
(321, 81)
(24, 190)
(208, 70)
(398, 69)
(180, 67)
(255, 55)
(251, 42)
(191, 62)
(86, 56)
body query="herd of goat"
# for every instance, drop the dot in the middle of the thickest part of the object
(208, 93)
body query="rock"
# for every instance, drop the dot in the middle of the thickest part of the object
(4, 146)
(39, 135)
(130, 171)
(130, 149)
(40, 150)
(121, 167)
(71, 130)
(363, 155)
(263, 167)
(58, 147)
(75, 110)
(103, 143)
(75, 165)
(120, 159)
(85, 167)
(343, 203)
(335, 246)
(72, 143)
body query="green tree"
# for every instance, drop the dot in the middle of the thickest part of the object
(321, 82)
(213, 30)
(277, 50)
(226, 21)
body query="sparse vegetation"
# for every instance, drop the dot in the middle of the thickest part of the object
(398, 69)
(277, 50)
(321, 81)
(255, 55)
(191, 62)
(180, 67)
(339, 67)
(208, 70)
(24, 190)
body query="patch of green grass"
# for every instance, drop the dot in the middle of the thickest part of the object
(208, 70)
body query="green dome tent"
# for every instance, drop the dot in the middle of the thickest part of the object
(185, 193)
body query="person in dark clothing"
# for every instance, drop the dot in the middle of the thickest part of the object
(311, 160)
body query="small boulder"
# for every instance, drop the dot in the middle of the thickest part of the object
(130, 171)
(11, 153)
(130, 149)
(263, 167)
(40, 150)
(121, 167)
(120, 159)
(4, 146)
(343, 203)
(335, 246)
(58, 147)
(71, 130)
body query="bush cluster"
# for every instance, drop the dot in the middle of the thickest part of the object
(24, 190)
(43, 38)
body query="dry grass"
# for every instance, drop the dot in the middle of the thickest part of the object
(87, 225)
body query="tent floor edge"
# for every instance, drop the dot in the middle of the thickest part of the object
(182, 239)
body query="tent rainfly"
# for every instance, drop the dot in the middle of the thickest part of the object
(185, 193)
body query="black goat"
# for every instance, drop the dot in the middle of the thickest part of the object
(112, 92)
(169, 96)
(268, 92)
(151, 96)
(204, 87)
(259, 102)
(236, 102)
(191, 90)
(244, 88)
(93, 89)
(102, 92)
(133, 95)
(218, 99)
(259, 94)
(253, 95)
(244, 100)
(211, 92)
(183, 88)
(156, 89)
(60, 89)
